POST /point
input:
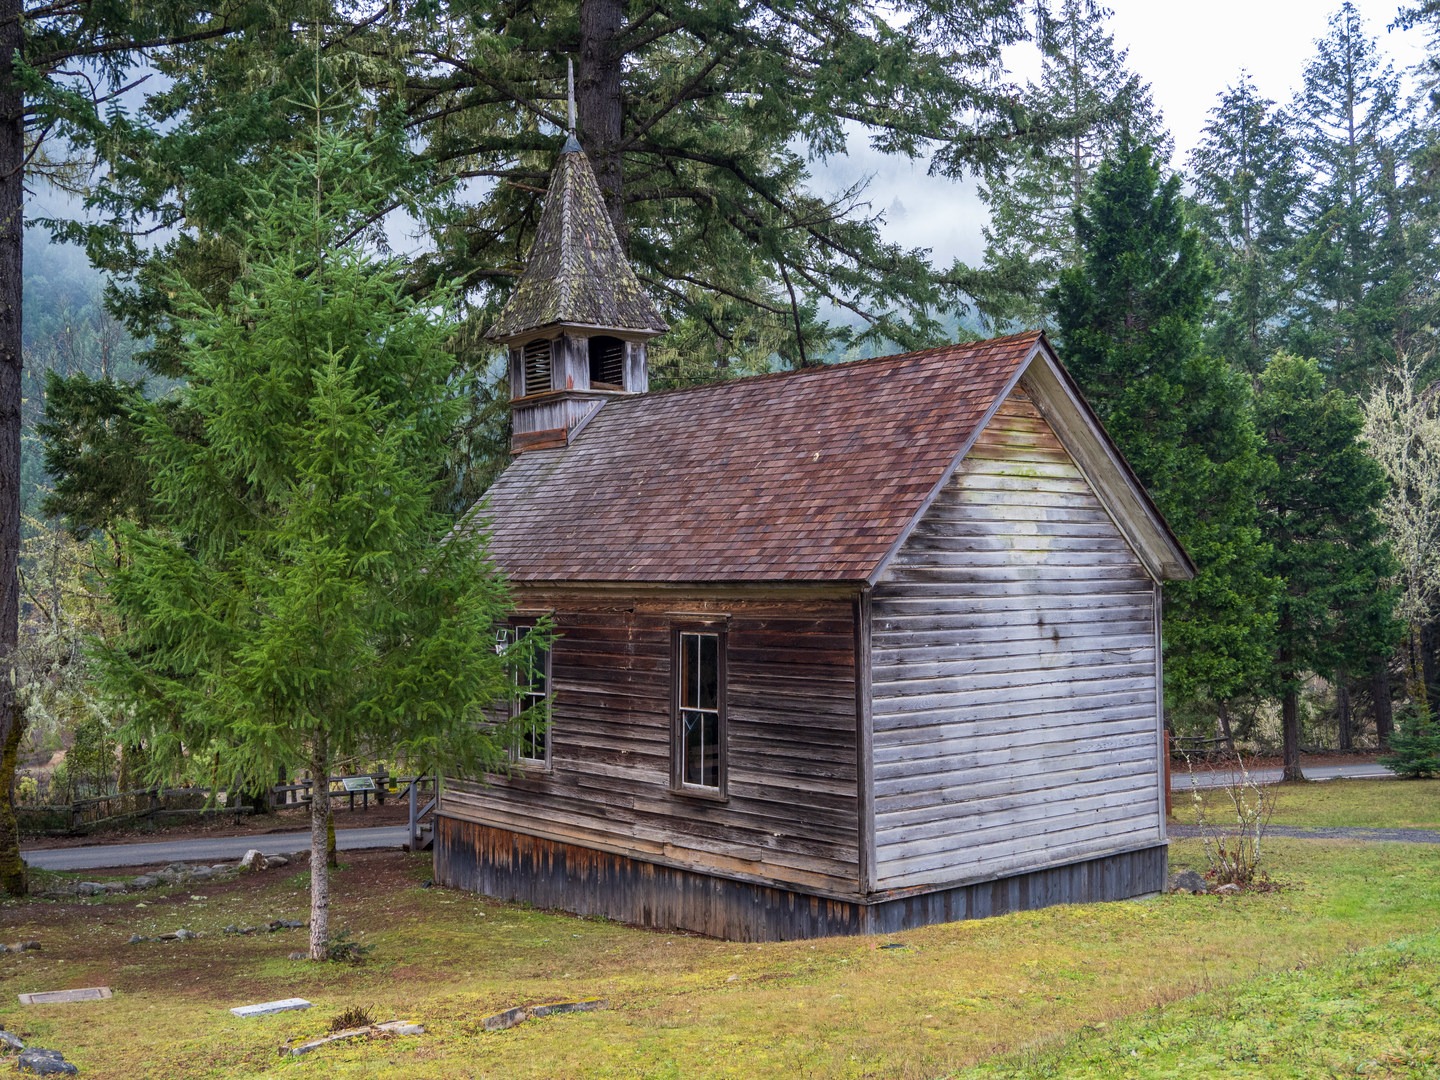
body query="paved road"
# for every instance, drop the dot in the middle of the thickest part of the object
(205, 850)
(1360, 770)
(225, 848)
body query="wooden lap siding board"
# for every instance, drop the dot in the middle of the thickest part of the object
(792, 813)
(1014, 665)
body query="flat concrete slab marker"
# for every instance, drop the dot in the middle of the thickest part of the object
(390, 1027)
(52, 997)
(267, 1008)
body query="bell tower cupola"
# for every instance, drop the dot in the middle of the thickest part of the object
(577, 323)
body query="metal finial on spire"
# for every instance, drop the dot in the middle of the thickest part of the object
(572, 144)
(570, 78)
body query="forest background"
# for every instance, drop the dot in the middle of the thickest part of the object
(1256, 329)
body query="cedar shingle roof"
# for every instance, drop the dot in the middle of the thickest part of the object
(577, 272)
(805, 476)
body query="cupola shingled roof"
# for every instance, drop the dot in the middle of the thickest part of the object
(577, 273)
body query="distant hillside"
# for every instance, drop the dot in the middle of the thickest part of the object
(66, 329)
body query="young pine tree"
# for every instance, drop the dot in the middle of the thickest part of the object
(1327, 544)
(1130, 317)
(295, 598)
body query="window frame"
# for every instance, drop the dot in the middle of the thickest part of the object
(719, 629)
(520, 695)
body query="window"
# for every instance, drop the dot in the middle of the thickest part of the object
(699, 712)
(530, 702)
(536, 360)
(607, 363)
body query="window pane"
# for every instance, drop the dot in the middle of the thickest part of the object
(700, 752)
(690, 748)
(689, 666)
(708, 678)
(710, 750)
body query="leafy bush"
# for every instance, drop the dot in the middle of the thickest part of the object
(1415, 744)
(27, 790)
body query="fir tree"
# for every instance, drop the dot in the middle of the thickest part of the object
(1352, 272)
(1326, 541)
(296, 599)
(1248, 184)
(1086, 91)
(1130, 318)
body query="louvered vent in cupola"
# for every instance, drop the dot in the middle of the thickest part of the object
(607, 363)
(537, 359)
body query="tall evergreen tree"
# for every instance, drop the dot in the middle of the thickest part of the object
(296, 599)
(1130, 316)
(1326, 541)
(1086, 91)
(1352, 272)
(1248, 183)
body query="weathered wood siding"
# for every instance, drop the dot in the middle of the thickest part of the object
(1014, 659)
(792, 813)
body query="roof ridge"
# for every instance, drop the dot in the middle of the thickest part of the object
(566, 165)
(1030, 336)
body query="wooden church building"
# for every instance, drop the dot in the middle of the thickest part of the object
(842, 650)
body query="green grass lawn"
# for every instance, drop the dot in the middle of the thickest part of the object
(1395, 804)
(1067, 989)
(1373, 1013)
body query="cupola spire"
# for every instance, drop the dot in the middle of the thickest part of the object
(577, 322)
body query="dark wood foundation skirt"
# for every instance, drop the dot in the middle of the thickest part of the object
(513, 866)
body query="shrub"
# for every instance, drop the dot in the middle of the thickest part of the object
(357, 1016)
(345, 950)
(1233, 830)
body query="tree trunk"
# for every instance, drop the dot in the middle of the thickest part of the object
(1430, 664)
(1290, 729)
(598, 100)
(12, 204)
(1344, 709)
(14, 878)
(1226, 730)
(319, 850)
(1380, 696)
